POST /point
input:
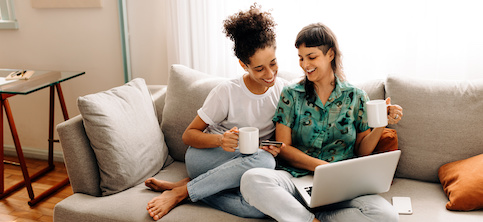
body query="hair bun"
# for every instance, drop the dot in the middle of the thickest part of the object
(250, 30)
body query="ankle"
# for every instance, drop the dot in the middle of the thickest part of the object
(181, 192)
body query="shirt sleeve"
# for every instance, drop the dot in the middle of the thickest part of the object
(285, 109)
(215, 107)
(361, 121)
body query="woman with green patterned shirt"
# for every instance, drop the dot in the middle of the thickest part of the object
(321, 119)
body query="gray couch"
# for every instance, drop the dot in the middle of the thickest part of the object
(442, 123)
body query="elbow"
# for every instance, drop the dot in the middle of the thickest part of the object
(185, 137)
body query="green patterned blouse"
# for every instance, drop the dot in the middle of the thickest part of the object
(327, 132)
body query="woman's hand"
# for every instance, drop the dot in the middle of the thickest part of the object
(229, 140)
(274, 150)
(394, 112)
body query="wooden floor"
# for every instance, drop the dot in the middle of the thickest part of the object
(15, 206)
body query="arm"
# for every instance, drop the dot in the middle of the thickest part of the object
(367, 141)
(293, 155)
(195, 137)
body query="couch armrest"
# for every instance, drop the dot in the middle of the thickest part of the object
(158, 94)
(80, 160)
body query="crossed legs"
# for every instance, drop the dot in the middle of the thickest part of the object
(213, 170)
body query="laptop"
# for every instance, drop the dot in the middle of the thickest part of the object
(347, 179)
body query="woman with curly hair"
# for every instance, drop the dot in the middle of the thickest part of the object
(213, 163)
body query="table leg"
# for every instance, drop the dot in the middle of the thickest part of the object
(62, 102)
(63, 183)
(18, 147)
(2, 168)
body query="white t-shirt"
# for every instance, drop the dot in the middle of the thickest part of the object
(231, 104)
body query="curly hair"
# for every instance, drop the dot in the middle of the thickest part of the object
(250, 30)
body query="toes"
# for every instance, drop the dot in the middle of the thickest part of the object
(153, 211)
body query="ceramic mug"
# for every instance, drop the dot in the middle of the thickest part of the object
(248, 140)
(377, 113)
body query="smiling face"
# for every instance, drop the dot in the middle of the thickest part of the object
(262, 70)
(317, 66)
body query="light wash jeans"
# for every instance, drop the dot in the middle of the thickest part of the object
(216, 176)
(273, 193)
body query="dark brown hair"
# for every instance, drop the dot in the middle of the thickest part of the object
(250, 30)
(319, 35)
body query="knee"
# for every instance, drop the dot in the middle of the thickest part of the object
(262, 159)
(381, 209)
(247, 180)
(252, 180)
(389, 214)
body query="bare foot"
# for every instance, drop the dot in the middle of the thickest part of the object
(162, 204)
(161, 185)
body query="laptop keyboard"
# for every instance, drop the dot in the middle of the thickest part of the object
(309, 190)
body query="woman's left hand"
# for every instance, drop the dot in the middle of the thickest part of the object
(274, 150)
(394, 112)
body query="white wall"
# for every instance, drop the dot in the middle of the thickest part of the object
(148, 40)
(85, 39)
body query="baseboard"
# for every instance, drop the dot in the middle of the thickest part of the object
(40, 154)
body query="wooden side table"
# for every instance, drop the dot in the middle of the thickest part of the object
(38, 81)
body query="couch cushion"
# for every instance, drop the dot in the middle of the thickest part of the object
(463, 183)
(427, 200)
(187, 90)
(85, 208)
(123, 129)
(440, 125)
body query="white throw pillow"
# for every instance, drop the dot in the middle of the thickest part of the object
(124, 133)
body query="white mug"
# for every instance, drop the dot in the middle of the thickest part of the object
(248, 140)
(377, 113)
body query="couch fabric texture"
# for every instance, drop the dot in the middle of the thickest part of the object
(440, 125)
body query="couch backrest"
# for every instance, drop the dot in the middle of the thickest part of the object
(373, 88)
(442, 123)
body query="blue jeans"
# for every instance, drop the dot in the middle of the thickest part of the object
(273, 193)
(216, 176)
